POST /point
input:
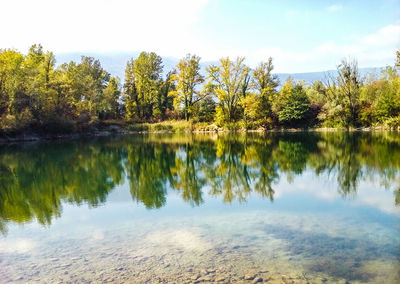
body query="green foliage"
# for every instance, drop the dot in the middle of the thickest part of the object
(393, 122)
(147, 70)
(11, 79)
(130, 95)
(187, 81)
(88, 81)
(233, 126)
(317, 93)
(280, 98)
(58, 125)
(109, 106)
(296, 107)
(333, 113)
(380, 99)
(343, 105)
(37, 95)
(228, 82)
(349, 90)
(265, 84)
(206, 110)
(145, 93)
(164, 100)
(387, 100)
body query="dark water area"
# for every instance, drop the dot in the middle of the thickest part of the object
(160, 208)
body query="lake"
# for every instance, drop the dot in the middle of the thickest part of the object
(304, 207)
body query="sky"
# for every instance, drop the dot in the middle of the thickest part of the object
(300, 36)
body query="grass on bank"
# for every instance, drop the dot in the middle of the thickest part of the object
(180, 126)
(168, 126)
(171, 126)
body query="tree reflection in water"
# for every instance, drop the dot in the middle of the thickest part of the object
(36, 179)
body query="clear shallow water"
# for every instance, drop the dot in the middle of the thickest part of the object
(278, 208)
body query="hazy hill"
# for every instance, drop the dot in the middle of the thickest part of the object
(115, 64)
(311, 77)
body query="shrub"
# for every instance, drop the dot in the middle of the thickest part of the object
(233, 126)
(58, 125)
(393, 122)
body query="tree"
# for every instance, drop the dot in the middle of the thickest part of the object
(147, 69)
(251, 106)
(380, 98)
(142, 85)
(206, 109)
(86, 82)
(188, 78)
(316, 93)
(130, 95)
(280, 98)
(229, 83)
(39, 71)
(349, 86)
(11, 89)
(164, 98)
(397, 64)
(265, 83)
(109, 105)
(11, 79)
(296, 107)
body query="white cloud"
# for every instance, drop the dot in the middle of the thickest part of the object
(375, 49)
(334, 8)
(170, 28)
(327, 189)
(187, 239)
(371, 50)
(100, 25)
(389, 35)
(21, 245)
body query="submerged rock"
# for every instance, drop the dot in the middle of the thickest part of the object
(195, 277)
(249, 277)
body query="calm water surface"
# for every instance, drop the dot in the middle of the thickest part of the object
(276, 208)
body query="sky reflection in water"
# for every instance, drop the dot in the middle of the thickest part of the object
(311, 204)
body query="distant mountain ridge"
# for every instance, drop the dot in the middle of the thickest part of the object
(115, 63)
(310, 77)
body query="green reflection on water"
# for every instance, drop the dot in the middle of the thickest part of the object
(35, 179)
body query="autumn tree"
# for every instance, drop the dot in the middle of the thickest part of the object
(229, 83)
(147, 69)
(187, 79)
(109, 106)
(11, 80)
(130, 95)
(164, 98)
(349, 83)
(265, 84)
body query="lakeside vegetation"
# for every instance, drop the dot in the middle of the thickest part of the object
(36, 96)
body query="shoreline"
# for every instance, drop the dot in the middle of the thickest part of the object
(34, 137)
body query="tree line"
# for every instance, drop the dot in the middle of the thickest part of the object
(37, 95)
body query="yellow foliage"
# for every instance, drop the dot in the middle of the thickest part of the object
(250, 105)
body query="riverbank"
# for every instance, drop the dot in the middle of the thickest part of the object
(174, 126)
